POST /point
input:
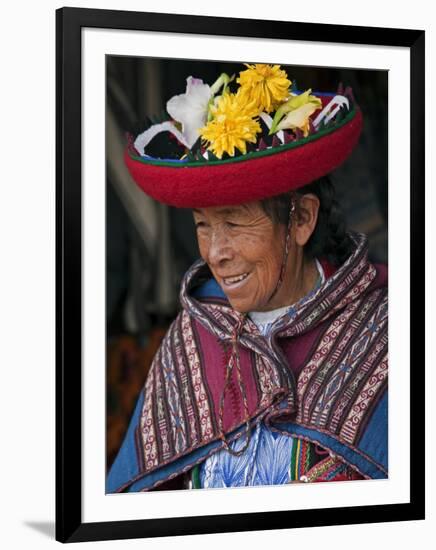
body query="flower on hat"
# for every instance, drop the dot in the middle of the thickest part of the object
(268, 153)
(228, 121)
(233, 124)
(190, 108)
(189, 112)
(267, 85)
(296, 111)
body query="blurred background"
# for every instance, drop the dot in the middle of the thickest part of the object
(149, 246)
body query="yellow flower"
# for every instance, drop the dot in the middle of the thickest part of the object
(298, 110)
(267, 85)
(299, 118)
(232, 126)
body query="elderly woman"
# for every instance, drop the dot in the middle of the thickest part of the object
(275, 369)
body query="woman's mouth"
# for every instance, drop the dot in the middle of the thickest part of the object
(235, 281)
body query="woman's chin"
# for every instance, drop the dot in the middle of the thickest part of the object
(242, 305)
(239, 308)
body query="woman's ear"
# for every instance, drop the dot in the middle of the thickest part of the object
(306, 218)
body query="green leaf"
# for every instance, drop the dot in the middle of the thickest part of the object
(211, 156)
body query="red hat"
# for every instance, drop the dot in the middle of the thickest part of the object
(291, 161)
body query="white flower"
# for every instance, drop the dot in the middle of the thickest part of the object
(144, 139)
(190, 108)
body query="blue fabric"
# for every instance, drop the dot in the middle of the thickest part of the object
(125, 466)
(320, 94)
(364, 456)
(370, 457)
(208, 289)
(268, 456)
(266, 461)
(120, 475)
(374, 441)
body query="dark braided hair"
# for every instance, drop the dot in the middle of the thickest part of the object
(329, 239)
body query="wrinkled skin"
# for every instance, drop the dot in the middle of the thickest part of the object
(242, 242)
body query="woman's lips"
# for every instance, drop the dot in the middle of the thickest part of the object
(235, 282)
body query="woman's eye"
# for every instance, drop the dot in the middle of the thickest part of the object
(232, 224)
(199, 224)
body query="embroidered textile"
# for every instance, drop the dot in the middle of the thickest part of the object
(267, 460)
(320, 375)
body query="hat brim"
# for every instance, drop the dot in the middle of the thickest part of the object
(254, 176)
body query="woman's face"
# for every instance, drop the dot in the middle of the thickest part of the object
(244, 251)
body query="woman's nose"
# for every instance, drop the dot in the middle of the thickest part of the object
(220, 249)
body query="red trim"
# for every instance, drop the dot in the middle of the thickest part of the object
(328, 268)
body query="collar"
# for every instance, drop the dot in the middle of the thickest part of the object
(213, 310)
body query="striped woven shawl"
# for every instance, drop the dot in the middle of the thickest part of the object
(321, 374)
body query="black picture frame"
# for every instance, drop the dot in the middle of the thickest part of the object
(69, 22)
